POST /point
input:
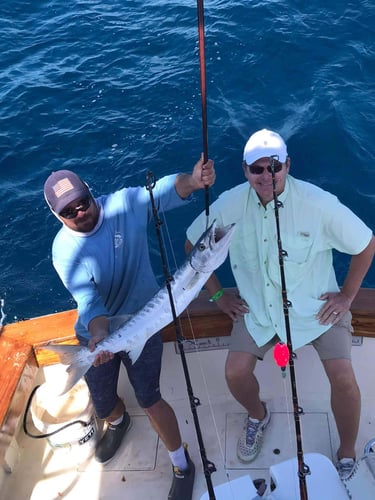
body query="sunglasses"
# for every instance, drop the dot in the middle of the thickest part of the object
(257, 169)
(82, 206)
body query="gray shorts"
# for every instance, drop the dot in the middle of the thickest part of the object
(335, 343)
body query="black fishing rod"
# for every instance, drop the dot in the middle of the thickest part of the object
(202, 65)
(303, 469)
(208, 467)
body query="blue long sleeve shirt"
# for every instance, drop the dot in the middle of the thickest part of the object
(108, 271)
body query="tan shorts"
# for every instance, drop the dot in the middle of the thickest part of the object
(335, 343)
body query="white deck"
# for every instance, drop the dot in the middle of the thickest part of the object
(142, 469)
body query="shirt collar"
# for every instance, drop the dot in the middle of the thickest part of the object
(281, 197)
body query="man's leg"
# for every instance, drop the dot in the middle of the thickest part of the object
(117, 412)
(345, 402)
(242, 383)
(102, 381)
(239, 372)
(144, 376)
(164, 422)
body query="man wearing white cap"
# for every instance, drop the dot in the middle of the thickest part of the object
(312, 223)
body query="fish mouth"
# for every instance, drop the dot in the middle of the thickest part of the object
(218, 233)
(211, 249)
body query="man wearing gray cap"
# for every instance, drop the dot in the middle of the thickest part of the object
(101, 255)
(312, 223)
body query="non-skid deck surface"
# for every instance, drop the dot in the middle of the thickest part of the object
(142, 468)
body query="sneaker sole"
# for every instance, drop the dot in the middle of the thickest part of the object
(247, 460)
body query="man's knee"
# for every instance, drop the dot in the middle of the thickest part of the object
(344, 381)
(239, 366)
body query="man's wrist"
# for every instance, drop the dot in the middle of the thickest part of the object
(216, 296)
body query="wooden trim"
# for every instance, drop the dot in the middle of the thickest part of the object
(201, 319)
(17, 374)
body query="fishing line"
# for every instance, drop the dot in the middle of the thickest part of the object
(3, 315)
(208, 467)
(303, 469)
(193, 341)
(202, 66)
(290, 425)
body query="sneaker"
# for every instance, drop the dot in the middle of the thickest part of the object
(183, 481)
(110, 442)
(345, 467)
(250, 441)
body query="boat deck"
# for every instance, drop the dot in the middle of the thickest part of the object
(141, 469)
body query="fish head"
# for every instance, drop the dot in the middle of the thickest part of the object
(211, 249)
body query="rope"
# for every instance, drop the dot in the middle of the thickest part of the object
(40, 436)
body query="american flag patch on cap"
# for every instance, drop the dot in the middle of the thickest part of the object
(63, 186)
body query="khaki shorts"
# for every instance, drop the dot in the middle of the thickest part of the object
(335, 343)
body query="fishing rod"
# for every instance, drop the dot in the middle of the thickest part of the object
(202, 65)
(303, 469)
(208, 467)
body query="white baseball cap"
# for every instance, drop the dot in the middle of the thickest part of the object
(264, 143)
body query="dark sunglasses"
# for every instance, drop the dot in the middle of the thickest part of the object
(82, 206)
(257, 169)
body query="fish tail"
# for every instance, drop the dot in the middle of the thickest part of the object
(71, 355)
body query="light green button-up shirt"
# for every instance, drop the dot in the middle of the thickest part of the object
(312, 223)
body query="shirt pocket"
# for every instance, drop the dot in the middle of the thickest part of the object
(296, 263)
(298, 249)
(247, 255)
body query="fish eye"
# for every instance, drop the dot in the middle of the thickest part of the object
(201, 247)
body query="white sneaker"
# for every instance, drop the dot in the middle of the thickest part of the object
(345, 467)
(250, 441)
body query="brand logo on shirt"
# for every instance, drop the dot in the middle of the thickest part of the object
(118, 240)
(304, 234)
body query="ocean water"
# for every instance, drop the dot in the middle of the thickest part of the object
(111, 89)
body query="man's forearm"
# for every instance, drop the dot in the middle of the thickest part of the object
(358, 268)
(99, 327)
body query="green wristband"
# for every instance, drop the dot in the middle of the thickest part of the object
(217, 295)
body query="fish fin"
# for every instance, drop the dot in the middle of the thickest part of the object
(135, 352)
(74, 375)
(68, 354)
(119, 321)
(71, 355)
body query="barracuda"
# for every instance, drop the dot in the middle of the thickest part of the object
(208, 254)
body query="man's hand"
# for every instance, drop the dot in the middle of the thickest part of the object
(203, 174)
(99, 329)
(102, 356)
(233, 305)
(337, 304)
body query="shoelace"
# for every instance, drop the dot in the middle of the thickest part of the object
(345, 468)
(252, 429)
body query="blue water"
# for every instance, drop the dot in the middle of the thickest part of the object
(111, 89)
